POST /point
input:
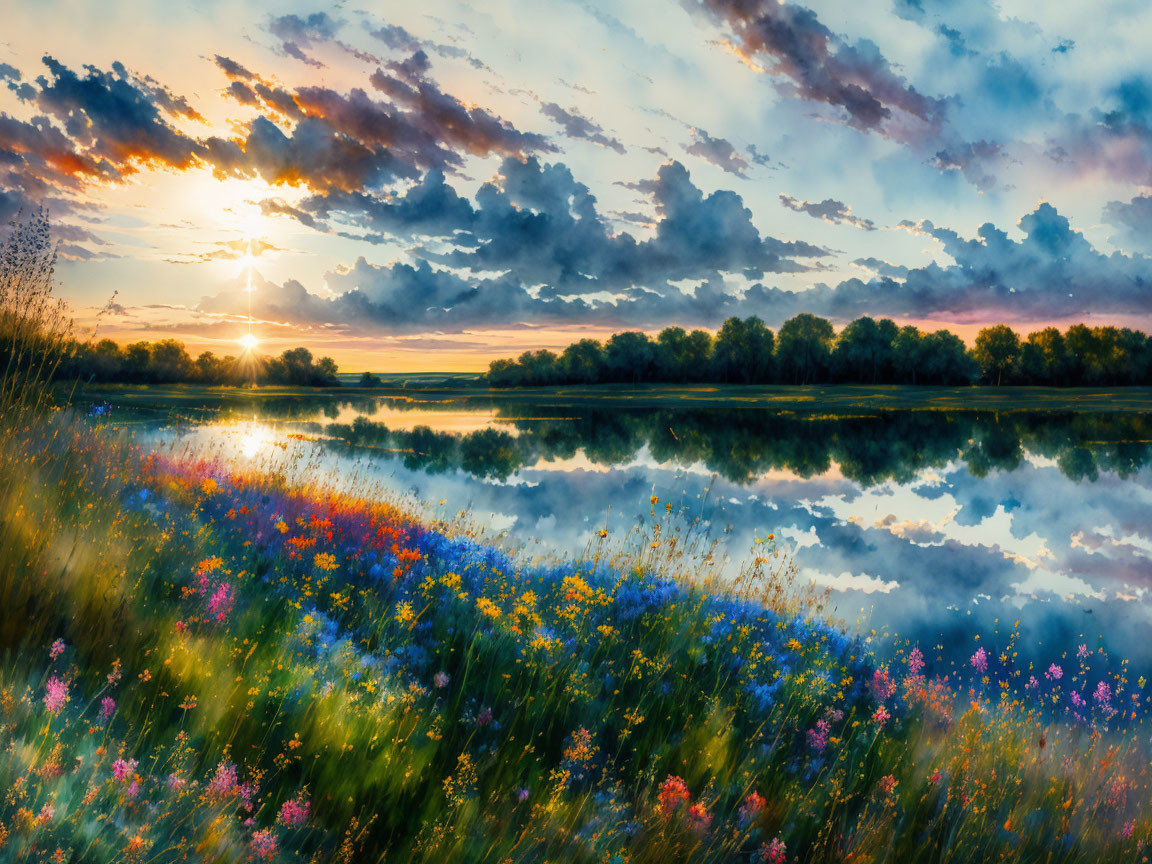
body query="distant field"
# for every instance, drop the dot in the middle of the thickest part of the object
(788, 398)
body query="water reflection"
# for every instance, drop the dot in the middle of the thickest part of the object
(933, 524)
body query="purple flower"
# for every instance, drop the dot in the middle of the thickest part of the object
(523, 796)
(55, 694)
(1103, 694)
(441, 679)
(1054, 673)
(1076, 700)
(1082, 652)
(57, 649)
(980, 661)
(107, 707)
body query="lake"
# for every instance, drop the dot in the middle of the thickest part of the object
(925, 518)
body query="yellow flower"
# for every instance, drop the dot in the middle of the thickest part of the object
(282, 527)
(325, 561)
(404, 612)
(208, 486)
(488, 608)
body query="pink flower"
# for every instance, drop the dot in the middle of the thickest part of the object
(673, 793)
(294, 813)
(1128, 828)
(220, 603)
(57, 649)
(772, 853)
(485, 717)
(980, 661)
(522, 796)
(133, 789)
(107, 707)
(1103, 694)
(55, 695)
(263, 845)
(47, 813)
(223, 783)
(882, 685)
(881, 716)
(752, 807)
(122, 770)
(1054, 673)
(440, 679)
(818, 737)
(1082, 652)
(915, 661)
(175, 782)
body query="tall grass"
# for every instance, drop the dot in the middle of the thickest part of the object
(34, 323)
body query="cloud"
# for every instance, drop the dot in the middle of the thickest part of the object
(1134, 220)
(812, 63)
(830, 210)
(116, 119)
(576, 125)
(354, 143)
(298, 33)
(399, 39)
(718, 151)
(8, 72)
(1052, 272)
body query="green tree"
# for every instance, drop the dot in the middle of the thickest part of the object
(997, 350)
(804, 349)
(582, 363)
(629, 356)
(863, 352)
(1044, 357)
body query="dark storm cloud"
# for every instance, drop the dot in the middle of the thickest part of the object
(576, 125)
(813, 63)
(718, 151)
(8, 72)
(830, 210)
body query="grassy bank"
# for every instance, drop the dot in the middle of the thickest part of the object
(201, 664)
(776, 398)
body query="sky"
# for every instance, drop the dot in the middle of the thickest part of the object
(430, 186)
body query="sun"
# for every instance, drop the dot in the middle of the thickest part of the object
(248, 342)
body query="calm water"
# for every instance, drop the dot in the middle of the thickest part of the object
(929, 524)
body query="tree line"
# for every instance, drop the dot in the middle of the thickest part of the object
(741, 444)
(808, 350)
(168, 362)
